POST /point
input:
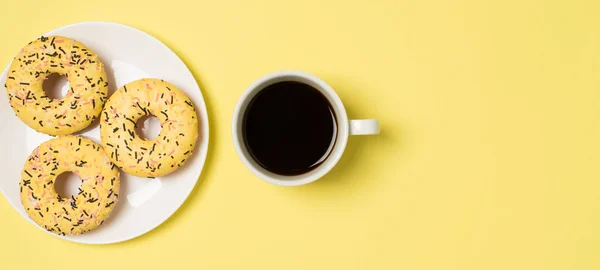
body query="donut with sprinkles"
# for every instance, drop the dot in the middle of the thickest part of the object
(176, 140)
(84, 71)
(97, 195)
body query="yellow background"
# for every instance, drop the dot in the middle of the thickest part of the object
(488, 157)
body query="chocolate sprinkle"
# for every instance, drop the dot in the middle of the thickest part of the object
(81, 163)
(143, 109)
(130, 120)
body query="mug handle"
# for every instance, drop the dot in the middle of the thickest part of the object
(364, 127)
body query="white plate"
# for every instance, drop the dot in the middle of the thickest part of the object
(128, 54)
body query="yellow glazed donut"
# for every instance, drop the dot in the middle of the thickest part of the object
(82, 103)
(170, 149)
(80, 213)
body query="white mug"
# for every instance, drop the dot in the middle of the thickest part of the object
(345, 128)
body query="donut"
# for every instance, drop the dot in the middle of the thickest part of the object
(97, 195)
(84, 71)
(175, 142)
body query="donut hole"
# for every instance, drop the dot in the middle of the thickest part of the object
(56, 86)
(148, 127)
(67, 184)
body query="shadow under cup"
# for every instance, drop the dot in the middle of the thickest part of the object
(290, 128)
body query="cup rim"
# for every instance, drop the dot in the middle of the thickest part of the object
(327, 91)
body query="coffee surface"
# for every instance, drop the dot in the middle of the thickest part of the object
(289, 128)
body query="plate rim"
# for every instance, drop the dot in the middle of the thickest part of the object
(204, 154)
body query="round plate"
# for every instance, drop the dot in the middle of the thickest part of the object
(128, 54)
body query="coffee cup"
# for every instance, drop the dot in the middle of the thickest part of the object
(282, 123)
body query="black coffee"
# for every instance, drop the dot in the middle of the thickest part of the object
(289, 128)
